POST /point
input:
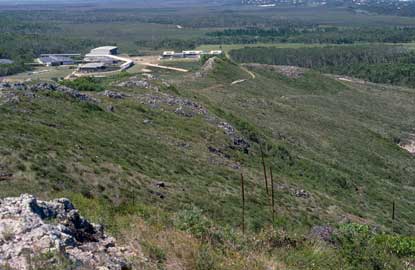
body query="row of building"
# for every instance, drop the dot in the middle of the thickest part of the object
(188, 54)
(105, 59)
(99, 54)
(97, 60)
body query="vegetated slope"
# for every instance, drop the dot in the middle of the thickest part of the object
(336, 139)
(160, 149)
(376, 63)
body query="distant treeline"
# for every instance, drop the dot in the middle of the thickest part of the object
(194, 19)
(310, 34)
(380, 64)
(397, 8)
(316, 34)
(288, 34)
(22, 42)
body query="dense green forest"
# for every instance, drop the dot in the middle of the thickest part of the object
(316, 34)
(22, 42)
(380, 63)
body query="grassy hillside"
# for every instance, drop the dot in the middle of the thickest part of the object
(167, 154)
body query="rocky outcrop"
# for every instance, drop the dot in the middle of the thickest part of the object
(6, 90)
(30, 228)
(136, 82)
(188, 108)
(114, 95)
(287, 71)
(208, 67)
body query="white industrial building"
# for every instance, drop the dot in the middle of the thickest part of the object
(105, 50)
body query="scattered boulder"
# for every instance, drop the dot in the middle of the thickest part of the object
(301, 193)
(149, 76)
(218, 152)
(5, 176)
(110, 108)
(238, 141)
(160, 184)
(29, 227)
(158, 194)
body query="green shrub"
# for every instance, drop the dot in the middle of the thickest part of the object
(154, 252)
(360, 250)
(206, 259)
(85, 84)
(402, 246)
(193, 221)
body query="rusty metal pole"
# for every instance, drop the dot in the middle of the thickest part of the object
(393, 215)
(265, 171)
(243, 202)
(272, 195)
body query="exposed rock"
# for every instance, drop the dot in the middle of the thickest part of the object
(182, 106)
(208, 66)
(158, 194)
(29, 226)
(188, 108)
(63, 89)
(110, 108)
(29, 90)
(9, 97)
(16, 86)
(113, 94)
(184, 111)
(160, 184)
(135, 82)
(324, 233)
(218, 152)
(5, 176)
(288, 71)
(238, 141)
(149, 76)
(408, 144)
(301, 193)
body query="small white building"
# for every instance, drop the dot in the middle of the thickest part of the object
(192, 54)
(188, 54)
(217, 52)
